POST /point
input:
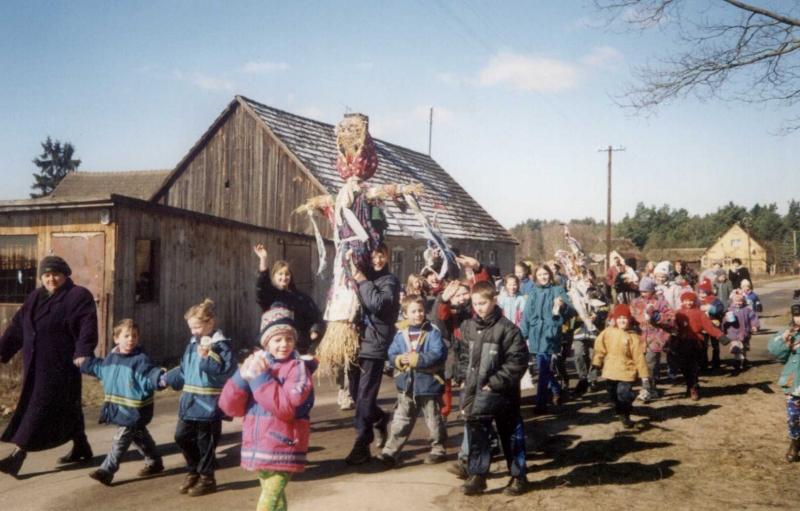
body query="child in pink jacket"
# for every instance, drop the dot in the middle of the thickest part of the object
(274, 392)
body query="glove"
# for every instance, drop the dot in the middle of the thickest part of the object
(724, 340)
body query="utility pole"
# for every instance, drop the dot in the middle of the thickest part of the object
(608, 213)
(430, 132)
(749, 254)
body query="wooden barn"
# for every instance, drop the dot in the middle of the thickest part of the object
(149, 244)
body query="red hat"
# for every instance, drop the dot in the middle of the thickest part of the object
(706, 288)
(622, 310)
(688, 295)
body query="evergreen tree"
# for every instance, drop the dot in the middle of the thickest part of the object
(54, 164)
(787, 254)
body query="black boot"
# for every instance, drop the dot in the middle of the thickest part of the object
(382, 429)
(474, 485)
(358, 455)
(81, 451)
(627, 423)
(737, 367)
(581, 388)
(791, 454)
(12, 463)
(516, 486)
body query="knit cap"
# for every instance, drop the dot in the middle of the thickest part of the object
(688, 295)
(622, 310)
(720, 272)
(54, 264)
(705, 287)
(737, 292)
(277, 320)
(647, 284)
(662, 268)
(746, 283)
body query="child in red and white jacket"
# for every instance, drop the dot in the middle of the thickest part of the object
(690, 323)
(274, 392)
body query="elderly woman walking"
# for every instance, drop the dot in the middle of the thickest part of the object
(56, 325)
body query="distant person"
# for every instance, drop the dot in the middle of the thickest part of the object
(274, 392)
(723, 288)
(710, 274)
(738, 273)
(740, 324)
(752, 299)
(622, 280)
(583, 337)
(523, 273)
(56, 325)
(688, 274)
(511, 300)
(130, 380)
(785, 346)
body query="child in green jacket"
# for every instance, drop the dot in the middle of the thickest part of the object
(785, 346)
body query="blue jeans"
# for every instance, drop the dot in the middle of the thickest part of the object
(123, 438)
(512, 437)
(546, 379)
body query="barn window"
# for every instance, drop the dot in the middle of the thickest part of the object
(17, 268)
(736, 243)
(493, 258)
(147, 274)
(397, 262)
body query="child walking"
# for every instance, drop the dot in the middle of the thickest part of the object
(740, 323)
(206, 365)
(511, 300)
(274, 392)
(785, 346)
(493, 362)
(130, 380)
(619, 352)
(418, 356)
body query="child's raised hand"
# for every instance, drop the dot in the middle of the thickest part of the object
(450, 291)
(260, 251)
(468, 262)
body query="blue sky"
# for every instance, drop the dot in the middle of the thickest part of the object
(520, 90)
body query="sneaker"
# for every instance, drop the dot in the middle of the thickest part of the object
(458, 468)
(516, 486)
(191, 480)
(382, 430)
(358, 456)
(386, 459)
(435, 459)
(103, 477)
(346, 402)
(151, 470)
(474, 485)
(204, 486)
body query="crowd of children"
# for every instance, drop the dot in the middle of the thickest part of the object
(471, 334)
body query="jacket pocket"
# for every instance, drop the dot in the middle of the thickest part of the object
(488, 402)
(281, 438)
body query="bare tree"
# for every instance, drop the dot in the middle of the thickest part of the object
(729, 50)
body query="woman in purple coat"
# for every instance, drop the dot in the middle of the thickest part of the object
(56, 324)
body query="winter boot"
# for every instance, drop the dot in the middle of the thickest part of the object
(581, 388)
(81, 451)
(12, 463)
(627, 423)
(474, 485)
(189, 482)
(204, 486)
(737, 367)
(791, 454)
(151, 470)
(102, 477)
(458, 468)
(358, 455)
(516, 486)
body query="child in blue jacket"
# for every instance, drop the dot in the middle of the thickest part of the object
(206, 365)
(418, 356)
(130, 380)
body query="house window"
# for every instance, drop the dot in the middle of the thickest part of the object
(147, 274)
(17, 268)
(397, 263)
(479, 256)
(736, 243)
(493, 258)
(419, 260)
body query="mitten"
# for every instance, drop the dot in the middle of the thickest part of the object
(724, 340)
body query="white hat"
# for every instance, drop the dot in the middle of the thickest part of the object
(662, 268)
(747, 283)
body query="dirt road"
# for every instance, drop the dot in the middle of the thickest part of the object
(723, 452)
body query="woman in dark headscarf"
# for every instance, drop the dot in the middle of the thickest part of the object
(56, 325)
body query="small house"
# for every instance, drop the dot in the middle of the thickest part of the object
(736, 243)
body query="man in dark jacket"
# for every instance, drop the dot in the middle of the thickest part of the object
(493, 360)
(59, 320)
(380, 304)
(738, 273)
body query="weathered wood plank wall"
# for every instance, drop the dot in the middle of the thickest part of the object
(242, 174)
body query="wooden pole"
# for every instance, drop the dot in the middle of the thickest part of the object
(608, 214)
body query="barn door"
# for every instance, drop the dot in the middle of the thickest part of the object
(299, 259)
(85, 254)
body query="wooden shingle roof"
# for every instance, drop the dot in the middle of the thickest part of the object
(139, 184)
(459, 215)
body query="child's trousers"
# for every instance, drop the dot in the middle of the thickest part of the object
(622, 396)
(688, 354)
(405, 416)
(546, 379)
(512, 438)
(793, 413)
(273, 490)
(123, 438)
(198, 441)
(653, 361)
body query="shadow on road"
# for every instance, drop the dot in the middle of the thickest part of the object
(595, 451)
(608, 473)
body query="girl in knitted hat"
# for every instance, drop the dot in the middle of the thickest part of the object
(785, 346)
(274, 392)
(752, 299)
(618, 351)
